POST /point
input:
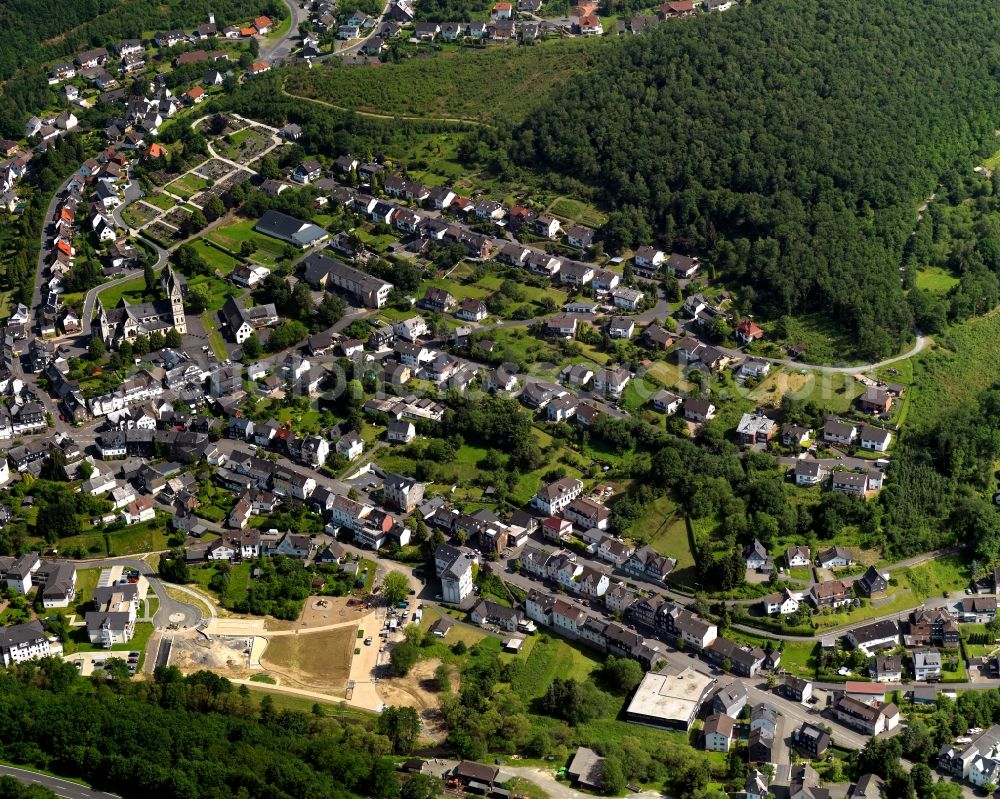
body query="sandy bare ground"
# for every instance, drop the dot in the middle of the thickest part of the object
(318, 661)
(320, 611)
(225, 656)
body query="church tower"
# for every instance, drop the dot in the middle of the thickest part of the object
(103, 324)
(172, 288)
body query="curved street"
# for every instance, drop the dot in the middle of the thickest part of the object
(170, 610)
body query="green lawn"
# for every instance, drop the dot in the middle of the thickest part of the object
(552, 657)
(799, 658)
(133, 290)
(146, 537)
(936, 280)
(80, 642)
(826, 341)
(830, 390)
(269, 251)
(136, 214)
(239, 581)
(215, 339)
(993, 161)
(913, 585)
(280, 29)
(86, 582)
(577, 211)
(187, 185)
(216, 258)
(160, 200)
(219, 290)
(963, 362)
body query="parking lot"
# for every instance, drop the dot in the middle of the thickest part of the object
(88, 662)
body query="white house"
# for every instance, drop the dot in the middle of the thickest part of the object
(782, 602)
(718, 732)
(350, 446)
(874, 438)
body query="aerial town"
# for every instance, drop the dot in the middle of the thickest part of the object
(335, 414)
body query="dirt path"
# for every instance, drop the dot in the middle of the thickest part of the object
(375, 115)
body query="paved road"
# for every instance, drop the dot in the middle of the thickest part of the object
(277, 50)
(60, 787)
(43, 251)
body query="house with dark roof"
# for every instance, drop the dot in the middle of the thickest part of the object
(873, 582)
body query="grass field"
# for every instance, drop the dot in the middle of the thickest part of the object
(549, 658)
(284, 701)
(936, 280)
(914, 584)
(453, 85)
(86, 582)
(577, 211)
(322, 659)
(187, 185)
(963, 362)
(243, 144)
(215, 257)
(161, 201)
(831, 390)
(133, 290)
(825, 340)
(799, 658)
(993, 161)
(239, 580)
(269, 251)
(219, 290)
(146, 537)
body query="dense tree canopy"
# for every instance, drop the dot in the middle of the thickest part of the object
(791, 143)
(195, 736)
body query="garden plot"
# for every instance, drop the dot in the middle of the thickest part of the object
(213, 169)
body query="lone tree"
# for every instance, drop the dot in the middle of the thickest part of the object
(395, 586)
(403, 657)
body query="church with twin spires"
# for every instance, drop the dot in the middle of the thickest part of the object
(125, 322)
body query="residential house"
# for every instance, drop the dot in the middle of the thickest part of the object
(730, 700)
(977, 609)
(551, 499)
(755, 428)
(874, 439)
(747, 332)
(666, 402)
(755, 556)
(718, 733)
(875, 400)
(873, 582)
(811, 740)
(926, 665)
(831, 594)
(798, 557)
(680, 266)
(887, 668)
(875, 635)
(698, 410)
(402, 492)
(834, 558)
(835, 432)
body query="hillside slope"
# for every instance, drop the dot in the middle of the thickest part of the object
(791, 141)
